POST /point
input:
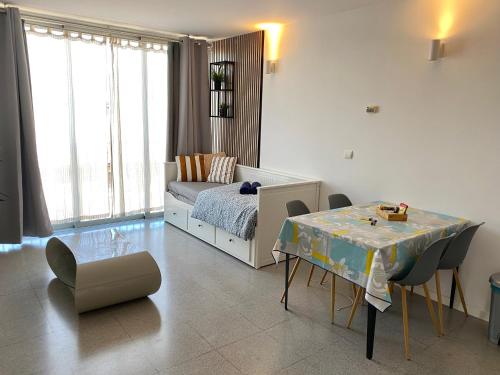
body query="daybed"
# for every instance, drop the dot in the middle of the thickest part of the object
(277, 189)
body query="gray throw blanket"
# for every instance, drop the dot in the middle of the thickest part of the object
(227, 209)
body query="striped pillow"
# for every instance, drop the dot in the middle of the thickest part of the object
(222, 170)
(208, 159)
(191, 168)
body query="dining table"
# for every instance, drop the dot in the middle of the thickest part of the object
(349, 243)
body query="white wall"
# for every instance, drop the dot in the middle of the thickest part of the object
(435, 143)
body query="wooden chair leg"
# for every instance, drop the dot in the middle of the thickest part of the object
(323, 278)
(292, 275)
(332, 297)
(411, 291)
(431, 309)
(354, 290)
(391, 287)
(310, 275)
(460, 291)
(355, 304)
(439, 302)
(405, 323)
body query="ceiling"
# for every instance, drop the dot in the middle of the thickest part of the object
(213, 19)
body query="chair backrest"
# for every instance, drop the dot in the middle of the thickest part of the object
(296, 208)
(427, 264)
(456, 250)
(338, 201)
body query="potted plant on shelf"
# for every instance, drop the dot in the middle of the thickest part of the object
(218, 77)
(223, 110)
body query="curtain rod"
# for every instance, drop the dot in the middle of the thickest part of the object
(74, 24)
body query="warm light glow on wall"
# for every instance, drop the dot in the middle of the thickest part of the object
(273, 37)
(446, 12)
(446, 15)
(445, 24)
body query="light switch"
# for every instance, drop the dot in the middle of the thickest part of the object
(348, 154)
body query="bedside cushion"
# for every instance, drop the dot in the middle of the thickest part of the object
(208, 159)
(191, 168)
(222, 170)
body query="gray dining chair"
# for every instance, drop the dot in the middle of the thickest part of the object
(296, 208)
(338, 201)
(422, 271)
(452, 258)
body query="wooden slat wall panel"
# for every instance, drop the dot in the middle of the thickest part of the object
(239, 136)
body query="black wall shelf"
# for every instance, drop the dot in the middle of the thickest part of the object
(222, 89)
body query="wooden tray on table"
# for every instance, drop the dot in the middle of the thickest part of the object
(391, 216)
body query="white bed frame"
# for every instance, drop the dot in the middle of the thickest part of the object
(278, 188)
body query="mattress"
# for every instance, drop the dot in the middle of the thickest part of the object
(187, 192)
(225, 208)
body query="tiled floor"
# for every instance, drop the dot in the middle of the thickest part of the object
(215, 315)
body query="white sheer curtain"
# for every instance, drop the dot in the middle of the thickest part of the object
(90, 102)
(49, 71)
(157, 77)
(131, 128)
(100, 113)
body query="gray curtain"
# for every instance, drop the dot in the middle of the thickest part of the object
(22, 210)
(173, 99)
(188, 128)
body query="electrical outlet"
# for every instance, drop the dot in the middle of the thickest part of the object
(348, 154)
(372, 109)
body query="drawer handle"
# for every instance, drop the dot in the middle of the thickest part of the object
(199, 225)
(174, 213)
(230, 240)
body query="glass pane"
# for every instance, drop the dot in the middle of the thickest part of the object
(131, 128)
(157, 70)
(74, 84)
(49, 80)
(91, 127)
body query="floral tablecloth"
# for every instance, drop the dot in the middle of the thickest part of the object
(344, 242)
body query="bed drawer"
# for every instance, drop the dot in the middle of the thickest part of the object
(177, 216)
(201, 229)
(233, 245)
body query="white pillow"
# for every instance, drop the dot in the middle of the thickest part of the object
(222, 170)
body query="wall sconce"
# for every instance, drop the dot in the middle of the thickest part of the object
(271, 66)
(273, 35)
(436, 50)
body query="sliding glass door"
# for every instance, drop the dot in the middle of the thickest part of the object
(50, 81)
(100, 114)
(90, 123)
(157, 131)
(130, 129)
